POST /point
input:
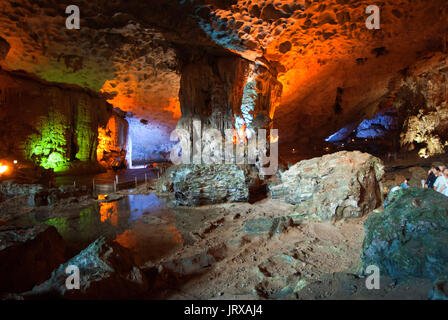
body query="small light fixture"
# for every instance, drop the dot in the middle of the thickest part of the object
(15, 161)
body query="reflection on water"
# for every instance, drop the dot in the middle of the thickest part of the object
(141, 223)
(109, 211)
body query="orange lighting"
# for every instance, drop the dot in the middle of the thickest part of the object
(3, 168)
(109, 212)
(107, 138)
(274, 138)
(242, 133)
(127, 239)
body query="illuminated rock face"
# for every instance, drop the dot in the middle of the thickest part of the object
(53, 126)
(211, 91)
(421, 101)
(324, 68)
(334, 71)
(112, 142)
(40, 248)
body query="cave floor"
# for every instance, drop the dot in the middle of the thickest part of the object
(225, 251)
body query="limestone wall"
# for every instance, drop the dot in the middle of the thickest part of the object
(50, 125)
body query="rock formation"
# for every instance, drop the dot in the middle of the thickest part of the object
(409, 239)
(113, 142)
(107, 271)
(335, 186)
(27, 256)
(421, 103)
(326, 69)
(195, 185)
(51, 125)
(211, 90)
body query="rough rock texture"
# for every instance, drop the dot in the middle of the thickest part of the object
(211, 89)
(410, 238)
(49, 124)
(420, 99)
(335, 186)
(113, 141)
(195, 185)
(164, 184)
(27, 256)
(107, 271)
(329, 63)
(320, 52)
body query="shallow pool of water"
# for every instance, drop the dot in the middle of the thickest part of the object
(142, 223)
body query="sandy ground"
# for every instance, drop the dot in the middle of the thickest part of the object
(323, 258)
(207, 253)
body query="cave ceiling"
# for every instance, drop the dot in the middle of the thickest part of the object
(332, 68)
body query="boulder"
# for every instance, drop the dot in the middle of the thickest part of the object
(332, 187)
(202, 184)
(281, 277)
(410, 237)
(28, 255)
(106, 269)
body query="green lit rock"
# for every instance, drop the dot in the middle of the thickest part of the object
(54, 126)
(410, 238)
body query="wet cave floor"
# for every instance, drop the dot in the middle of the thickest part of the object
(226, 251)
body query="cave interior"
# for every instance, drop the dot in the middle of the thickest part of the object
(223, 149)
